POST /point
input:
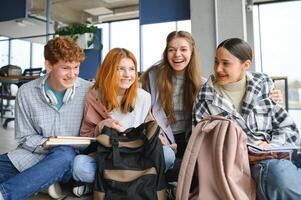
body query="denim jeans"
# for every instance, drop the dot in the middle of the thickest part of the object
(56, 166)
(84, 167)
(278, 179)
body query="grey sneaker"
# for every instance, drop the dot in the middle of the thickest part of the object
(55, 191)
(1, 197)
(82, 189)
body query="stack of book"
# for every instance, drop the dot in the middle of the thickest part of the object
(69, 140)
(257, 153)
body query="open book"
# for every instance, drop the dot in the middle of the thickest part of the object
(69, 140)
(257, 153)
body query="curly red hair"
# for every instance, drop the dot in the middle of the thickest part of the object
(63, 48)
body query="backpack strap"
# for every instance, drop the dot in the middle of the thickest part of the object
(141, 135)
(114, 141)
(189, 160)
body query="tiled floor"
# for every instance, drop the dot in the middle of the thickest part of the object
(7, 143)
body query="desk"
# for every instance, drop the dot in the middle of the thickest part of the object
(7, 80)
(17, 79)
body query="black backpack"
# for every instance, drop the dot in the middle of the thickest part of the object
(130, 165)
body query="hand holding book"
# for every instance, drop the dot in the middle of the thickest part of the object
(258, 153)
(68, 140)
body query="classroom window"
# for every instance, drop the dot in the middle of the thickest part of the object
(277, 46)
(20, 53)
(3, 51)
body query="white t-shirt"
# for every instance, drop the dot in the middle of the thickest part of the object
(138, 115)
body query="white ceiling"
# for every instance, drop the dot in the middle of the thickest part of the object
(80, 11)
(64, 12)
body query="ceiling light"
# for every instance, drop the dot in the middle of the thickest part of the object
(98, 11)
(113, 1)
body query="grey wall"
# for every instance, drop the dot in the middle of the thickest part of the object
(213, 21)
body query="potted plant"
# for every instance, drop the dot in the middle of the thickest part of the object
(83, 34)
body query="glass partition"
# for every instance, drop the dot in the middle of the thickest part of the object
(278, 46)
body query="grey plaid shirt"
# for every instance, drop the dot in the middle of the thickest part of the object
(262, 118)
(36, 119)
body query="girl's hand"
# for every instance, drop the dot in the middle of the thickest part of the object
(149, 117)
(164, 141)
(262, 144)
(114, 124)
(276, 95)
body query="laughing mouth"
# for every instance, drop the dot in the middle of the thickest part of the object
(178, 62)
(221, 75)
(126, 81)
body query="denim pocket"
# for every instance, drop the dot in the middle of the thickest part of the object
(257, 171)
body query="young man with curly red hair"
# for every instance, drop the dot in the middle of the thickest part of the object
(46, 107)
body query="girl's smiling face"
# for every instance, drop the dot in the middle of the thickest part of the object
(126, 75)
(228, 68)
(179, 54)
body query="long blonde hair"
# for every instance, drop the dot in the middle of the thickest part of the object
(107, 81)
(192, 79)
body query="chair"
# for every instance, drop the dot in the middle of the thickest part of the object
(6, 94)
(32, 72)
(5, 89)
(5, 101)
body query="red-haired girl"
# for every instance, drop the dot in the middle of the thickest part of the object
(114, 101)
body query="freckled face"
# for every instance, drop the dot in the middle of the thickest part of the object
(62, 75)
(126, 75)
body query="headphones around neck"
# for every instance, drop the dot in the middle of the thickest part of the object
(51, 98)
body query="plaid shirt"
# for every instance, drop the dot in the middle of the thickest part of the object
(36, 120)
(262, 118)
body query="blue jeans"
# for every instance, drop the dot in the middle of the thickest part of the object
(56, 166)
(84, 167)
(278, 179)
